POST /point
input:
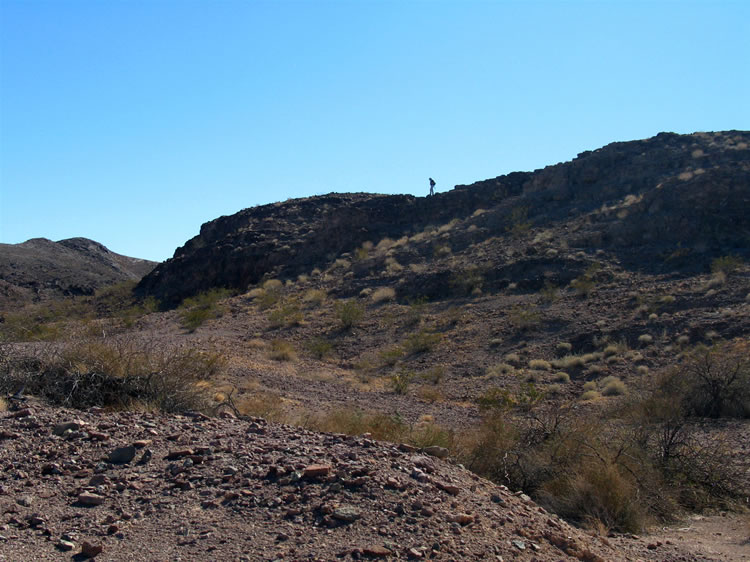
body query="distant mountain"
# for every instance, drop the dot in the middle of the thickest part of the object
(682, 197)
(39, 269)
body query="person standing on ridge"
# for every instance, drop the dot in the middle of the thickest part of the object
(432, 186)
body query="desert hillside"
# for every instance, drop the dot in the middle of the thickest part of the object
(40, 269)
(545, 365)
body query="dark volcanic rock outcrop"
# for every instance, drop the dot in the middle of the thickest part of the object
(670, 195)
(40, 268)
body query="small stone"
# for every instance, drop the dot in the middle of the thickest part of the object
(25, 413)
(316, 471)
(376, 551)
(452, 489)
(98, 436)
(179, 453)
(346, 513)
(25, 501)
(435, 451)
(65, 546)
(145, 457)
(460, 518)
(520, 545)
(141, 443)
(91, 550)
(98, 480)
(61, 428)
(414, 554)
(51, 468)
(122, 455)
(88, 498)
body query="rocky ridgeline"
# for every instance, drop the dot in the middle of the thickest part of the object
(155, 487)
(40, 268)
(670, 195)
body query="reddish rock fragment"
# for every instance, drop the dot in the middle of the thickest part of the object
(88, 498)
(376, 552)
(179, 453)
(449, 488)
(26, 412)
(91, 550)
(316, 471)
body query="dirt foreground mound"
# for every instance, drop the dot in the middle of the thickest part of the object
(156, 487)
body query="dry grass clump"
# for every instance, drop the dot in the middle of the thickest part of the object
(273, 285)
(383, 294)
(501, 369)
(645, 339)
(613, 386)
(384, 245)
(513, 359)
(267, 405)
(353, 421)
(3, 405)
(314, 297)
(540, 365)
(569, 362)
(642, 369)
(392, 267)
(561, 377)
(430, 393)
(564, 348)
(590, 395)
(282, 351)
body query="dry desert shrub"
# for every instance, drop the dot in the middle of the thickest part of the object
(540, 365)
(613, 386)
(117, 374)
(383, 294)
(314, 297)
(282, 351)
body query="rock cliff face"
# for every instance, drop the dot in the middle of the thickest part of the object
(40, 268)
(670, 195)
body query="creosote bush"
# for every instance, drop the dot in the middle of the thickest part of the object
(117, 374)
(195, 311)
(349, 314)
(421, 342)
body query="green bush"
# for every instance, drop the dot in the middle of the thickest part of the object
(726, 264)
(421, 342)
(287, 315)
(195, 311)
(319, 348)
(712, 381)
(524, 317)
(349, 314)
(400, 381)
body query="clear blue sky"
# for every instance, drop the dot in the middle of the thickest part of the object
(133, 122)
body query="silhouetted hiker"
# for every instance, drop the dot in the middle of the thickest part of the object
(432, 186)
